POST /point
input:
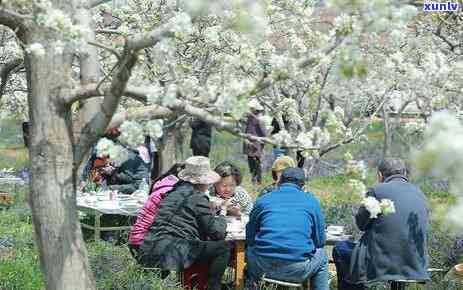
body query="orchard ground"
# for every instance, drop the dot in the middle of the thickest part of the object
(113, 266)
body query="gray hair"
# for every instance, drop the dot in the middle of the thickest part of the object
(392, 166)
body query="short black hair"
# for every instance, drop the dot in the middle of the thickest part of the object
(392, 166)
(226, 169)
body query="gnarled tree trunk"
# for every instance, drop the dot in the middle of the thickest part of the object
(58, 234)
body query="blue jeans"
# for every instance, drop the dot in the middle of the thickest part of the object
(315, 268)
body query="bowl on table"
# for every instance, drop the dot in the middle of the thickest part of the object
(335, 230)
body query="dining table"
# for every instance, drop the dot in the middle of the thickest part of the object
(236, 234)
(97, 204)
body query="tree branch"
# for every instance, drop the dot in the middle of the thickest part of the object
(97, 125)
(109, 31)
(94, 3)
(84, 92)
(13, 20)
(110, 49)
(144, 40)
(358, 133)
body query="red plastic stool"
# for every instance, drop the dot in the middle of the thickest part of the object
(196, 272)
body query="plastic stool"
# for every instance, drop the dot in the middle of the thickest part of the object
(275, 283)
(402, 284)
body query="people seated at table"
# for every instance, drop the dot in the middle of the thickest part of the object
(280, 164)
(229, 198)
(161, 187)
(285, 235)
(393, 246)
(174, 239)
(125, 178)
(97, 168)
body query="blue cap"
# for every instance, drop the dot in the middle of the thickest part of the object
(292, 174)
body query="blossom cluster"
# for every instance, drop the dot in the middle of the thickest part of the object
(375, 207)
(355, 169)
(131, 134)
(441, 156)
(357, 187)
(116, 153)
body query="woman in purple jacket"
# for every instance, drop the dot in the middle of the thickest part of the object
(161, 187)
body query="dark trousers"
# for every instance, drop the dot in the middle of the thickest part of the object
(179, 254)
(255, 169)
(216, 254)
(300, 159)
(200, 152)
(342, 253)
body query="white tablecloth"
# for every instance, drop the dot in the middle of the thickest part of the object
(11, 180)
(103, 205)
(236, 229)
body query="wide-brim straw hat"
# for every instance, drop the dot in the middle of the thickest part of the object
(198, 171)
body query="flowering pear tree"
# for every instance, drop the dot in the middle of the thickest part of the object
(312, 68)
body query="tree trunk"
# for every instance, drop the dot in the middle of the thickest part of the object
(387, 134)
(167, 151)
(58, 234)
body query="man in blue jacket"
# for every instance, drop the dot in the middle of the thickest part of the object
(393, 247)
(286, 235)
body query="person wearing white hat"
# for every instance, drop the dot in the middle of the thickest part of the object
(254, 150)
(174, 240)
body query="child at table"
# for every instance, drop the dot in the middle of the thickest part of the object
(227, 196)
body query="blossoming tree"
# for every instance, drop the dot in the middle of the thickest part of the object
(170, 59)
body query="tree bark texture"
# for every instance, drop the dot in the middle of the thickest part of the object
(167, 151)
(387, 134)
(58, 234)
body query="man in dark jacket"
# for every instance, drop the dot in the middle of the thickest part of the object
(174, 241)
(200, 137)
(393, 247)
(286, 235)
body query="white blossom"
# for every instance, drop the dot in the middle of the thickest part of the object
(156, 93)
(131, 134)
(357, 187)
(116, 153)
(153, 128)
(181, 23)
(372, 205)
(36, 49)
(283, 138)
(58, 47)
